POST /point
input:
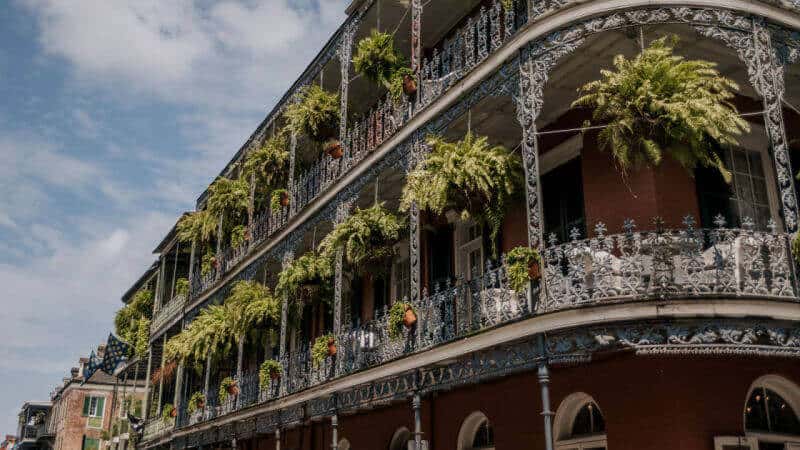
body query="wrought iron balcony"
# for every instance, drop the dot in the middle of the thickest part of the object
(452, 59)
(157, 427)
(167, 312)
(687, 263)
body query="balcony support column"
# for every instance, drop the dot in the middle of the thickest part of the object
(292, 167)
(174, 270)
(178, 397)
(239, 361)
(345, 53)
(413, 260)
(161, 375)
(342, 212)
(335, 432)
(288, 257)
(159, 284)
(544, 381)
(277, 439)
(416, 38)
(192, 255)
(146, 400)
(416, 405)
(207, 377)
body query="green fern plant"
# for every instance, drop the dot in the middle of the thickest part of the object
(518, 263)
(269, 369)
(196, 402)
(378, 60)
(276, 199)
(310, 269)
(167, 412)
(659, 102)
(268, 168)
(227, 387)
(397, 315)
(321, 348)
(142, 337)
(470, 176)
(207, 263)
(182, 287)
(316, 114)
(367, 237)
(238, 236)
(228, 198)
(198, 226)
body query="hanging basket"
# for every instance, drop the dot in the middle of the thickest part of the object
(409, 85)
(332, 350)
(233, 389)
(284, 199)
(535, 271)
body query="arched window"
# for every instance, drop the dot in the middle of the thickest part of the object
(579, 424)
(400, 439)
(771, 412)
(476, 433)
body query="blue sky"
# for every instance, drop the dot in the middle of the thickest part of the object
(114, 117)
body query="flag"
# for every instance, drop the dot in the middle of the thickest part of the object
(116, 352)
(91, 367)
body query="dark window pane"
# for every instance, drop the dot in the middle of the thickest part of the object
(562, 189)
(484, 437)
(782, 418)
(582, 425)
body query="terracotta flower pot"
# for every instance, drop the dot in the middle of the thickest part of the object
(409, 318)
(284, 199)
(173, 413)
(275, 375)
(333, 148)
(332, 347)
(201, 404)
(233, 389)
(534, 271)
(215, 263)
(409, 85)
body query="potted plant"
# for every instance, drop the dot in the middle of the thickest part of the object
(401, 315)
(470, 176)
(208, 263)
(196, 402)
(316, 114)
(367, 237)
(199, 226)
(266, 169)
(659, 102)
(378, 60)
(279, 199)
(324, 347)
(305, 275)
(168, 412)
(333, 148)
(270, 370)
(238, 236)
(523, 264)
(182, 286)
(228, 387)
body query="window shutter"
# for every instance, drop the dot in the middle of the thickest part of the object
(86, 400)
(100, 404)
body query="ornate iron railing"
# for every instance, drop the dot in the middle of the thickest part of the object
(481, 34)
(157, 427)
(167, 312)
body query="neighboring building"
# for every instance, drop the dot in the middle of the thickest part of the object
(8, 443)
(667, 314)
(82, 416)
(33, 425)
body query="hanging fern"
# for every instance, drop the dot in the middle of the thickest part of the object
(517, 262)
(320, 348)
(249, 305)
(268, 167)
(238, 236)
(228, 198)
(196, 402)
(309, 269)
(127, 320)
(142, 337)
(316, 114)
(167, 412)
(269, 369)
(275, 199)
(228, 384)
(378, 60)
(182, 287)
(659, 102)
(470, 176)
(367, 236)
(198, 226)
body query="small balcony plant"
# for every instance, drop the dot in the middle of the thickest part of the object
(228, 387)
(168, 412)
(660, 103)
(238, 236)
(378, 60)
(279, 199)
(182, 287)
(196, 402)
(270, 370)
(367, 237)
(401, 315)
(266, 169)
(208, 263)
(323, 347)
(316, 114)
(474, 178)
(523, 264)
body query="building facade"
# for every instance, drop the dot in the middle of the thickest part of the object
(32, 425)
(666, 311)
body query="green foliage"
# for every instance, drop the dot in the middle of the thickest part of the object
(378, 60)
(166, 412)
(207, 262)
(275, 199)
(182, 287)
(126, 321)
(508, 5)
(309, 269)
(470, 176)
(396, 315)
(228, 198)
(266, 370)
(367, 236)
(660, 102)
(199, 226)
(316, 114)
(249, 305)
(142, 337)
(319, 351)
(224, 387)
(517, 262)
(796, 247)
(195, 401)
(268, 167)
(238, 236)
